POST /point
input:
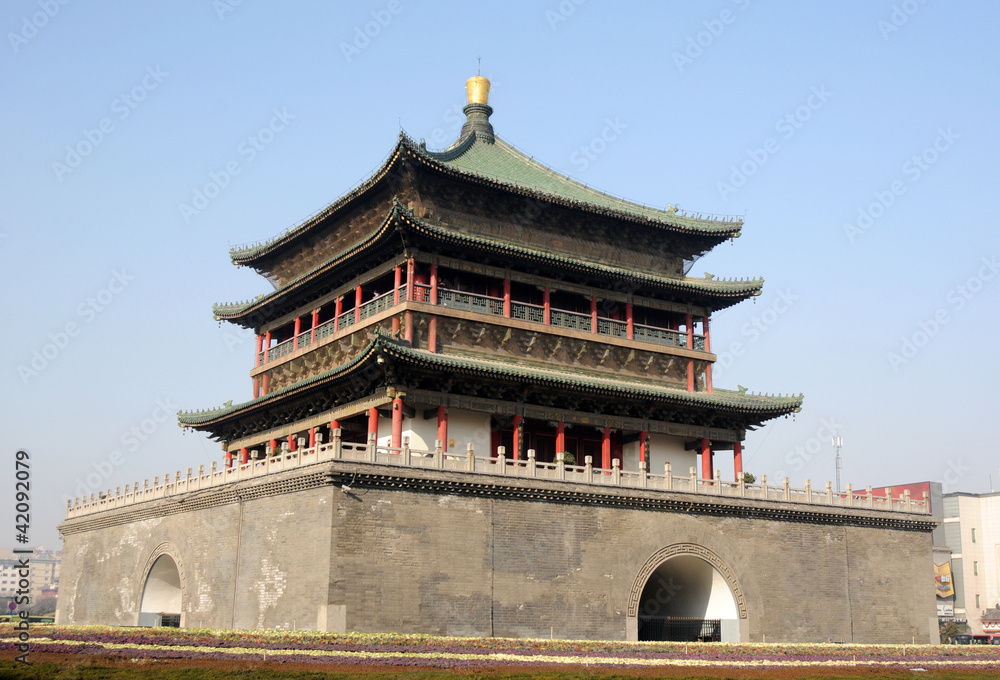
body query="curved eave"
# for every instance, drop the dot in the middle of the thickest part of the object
(663, 219)
(612, 386)
(760, 407)
(718, 294)
(200, 420)
(247, 256)
(717, 229)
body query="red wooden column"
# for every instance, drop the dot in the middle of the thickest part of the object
(643, 445)
(358, 300)
(256, 357)
(315, 322)
(410, 278)
(267, 344)
(372, 422)
(256, 386)
(518, 437)
(690, 331)
(337, 311)
(312, 437)
(274, 446)
(561, 437)
(547, 304)
(506, 297)
(263, 388)
(593, 313)
(229, 459)
(334, 425)
(432, 324)
(295, 333)
(690, 372)
(244, 456)
(397, 281)
(737, 460)
(292, 444)
(708, 348)
(408, 316)
(443, 427)
(706, 459)
(397, 423)
(606, 449)
(629, 325)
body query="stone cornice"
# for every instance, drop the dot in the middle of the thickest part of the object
(442, 482)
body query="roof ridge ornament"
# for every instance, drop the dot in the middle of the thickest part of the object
(477, 111)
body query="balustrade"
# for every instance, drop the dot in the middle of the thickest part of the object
(496, 465)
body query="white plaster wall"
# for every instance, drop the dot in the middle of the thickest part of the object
(665, 447)
(468, 426)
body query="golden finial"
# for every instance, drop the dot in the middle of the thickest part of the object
(478, 89)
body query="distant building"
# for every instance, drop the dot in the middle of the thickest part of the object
(45, 566)
(972, 532)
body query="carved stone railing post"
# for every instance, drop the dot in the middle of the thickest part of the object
(439, 454)
(588, 469)
(718, 482)
(668, 476)
(470, 458)
(906, 500)
(850, 496)
(404, 453)
(532, 467)
(741, 485)
(372, 447)
(763, 486)
(693, 477)
(787, 489)
(868, 497)
(643, 475)
(502, 460)
(926, 503)
(809, 493)
(616, 473)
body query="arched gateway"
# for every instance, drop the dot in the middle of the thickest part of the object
(162, 595)
(686, 592)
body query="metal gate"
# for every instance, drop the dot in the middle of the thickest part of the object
(680, 629)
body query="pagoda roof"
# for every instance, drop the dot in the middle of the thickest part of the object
(492, 162)
(720, 293)
(755, 408)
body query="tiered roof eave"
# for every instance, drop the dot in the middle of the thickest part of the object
(717, 293)
(563, 191)
(754, 407)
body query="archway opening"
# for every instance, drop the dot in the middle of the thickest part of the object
(161, 595)
(687, 599)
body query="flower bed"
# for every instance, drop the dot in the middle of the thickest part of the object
(460, 652)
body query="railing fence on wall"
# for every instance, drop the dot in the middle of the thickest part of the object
(499, 464)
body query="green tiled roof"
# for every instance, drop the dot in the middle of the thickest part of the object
(767, 406)
(498, 161)
(500, 164)
(731, 290)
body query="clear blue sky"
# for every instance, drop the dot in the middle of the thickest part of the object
(798, 115)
